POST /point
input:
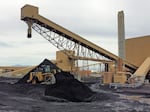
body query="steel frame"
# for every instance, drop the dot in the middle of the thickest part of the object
(65, 44)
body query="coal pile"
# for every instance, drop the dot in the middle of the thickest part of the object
(66, 86)
(24, 79)
(63, 76)
(69, 88)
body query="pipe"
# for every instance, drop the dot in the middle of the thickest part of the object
(29, 31)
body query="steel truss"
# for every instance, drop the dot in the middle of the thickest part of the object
(64, 44)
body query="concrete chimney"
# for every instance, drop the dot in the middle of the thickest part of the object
(121, 35)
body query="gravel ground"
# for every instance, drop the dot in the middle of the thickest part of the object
(30, 98)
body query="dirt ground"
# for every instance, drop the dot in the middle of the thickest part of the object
(31, 98)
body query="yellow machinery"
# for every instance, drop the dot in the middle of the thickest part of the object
(39, 77)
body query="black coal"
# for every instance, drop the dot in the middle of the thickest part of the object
(67, 87)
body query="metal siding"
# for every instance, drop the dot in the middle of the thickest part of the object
(138, 49)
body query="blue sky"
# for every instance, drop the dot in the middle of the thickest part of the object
(94, 20)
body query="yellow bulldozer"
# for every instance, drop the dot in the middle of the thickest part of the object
(43, 78)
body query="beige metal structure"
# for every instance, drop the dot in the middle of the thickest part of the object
(120, 78)
(30, 15)
(63, 62)
(66, 40)
(138, 76)
(137, 49)
(144, 68)
(142, 71)
(107, 77)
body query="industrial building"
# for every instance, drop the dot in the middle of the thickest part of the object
(121, 82)
(133, 62)
(137, 49)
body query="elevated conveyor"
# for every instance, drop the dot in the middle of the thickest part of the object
(30, 15)
(142, 71)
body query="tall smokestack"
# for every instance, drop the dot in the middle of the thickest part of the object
(121, 35)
